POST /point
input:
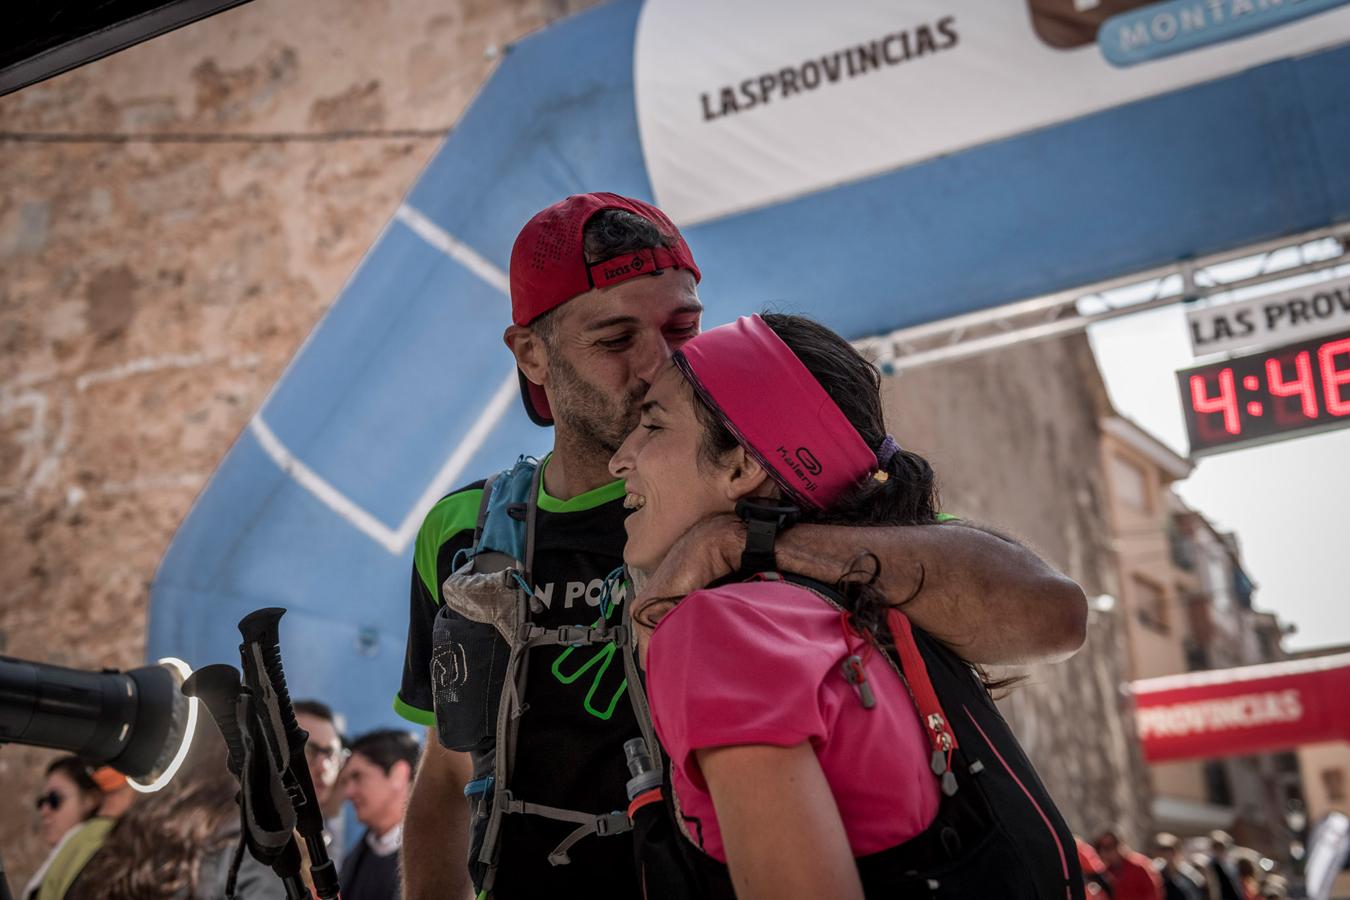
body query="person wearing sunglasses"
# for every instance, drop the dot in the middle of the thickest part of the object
(70, 796)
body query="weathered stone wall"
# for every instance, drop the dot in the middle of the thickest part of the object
(1014, 438)
(151, 293)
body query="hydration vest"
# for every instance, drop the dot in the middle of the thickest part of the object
(481, 640)
(997, 833)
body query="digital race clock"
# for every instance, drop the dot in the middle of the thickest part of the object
(1268, 396)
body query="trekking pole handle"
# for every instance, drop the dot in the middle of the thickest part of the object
(218, 687)
(261, 651)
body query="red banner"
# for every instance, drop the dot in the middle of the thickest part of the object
(1252, 709)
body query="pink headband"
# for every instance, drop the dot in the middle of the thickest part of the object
(777, 410)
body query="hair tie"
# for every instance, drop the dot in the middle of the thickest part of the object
(887, 450)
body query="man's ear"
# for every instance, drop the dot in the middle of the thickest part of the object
(744, 476)
(529, 350)
(402, 773)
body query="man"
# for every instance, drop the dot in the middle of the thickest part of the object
(1096, 879)
(324, 755)
(603, 290)
(1132, 874)
(1180, 880)
(376, 780)
(1225, 883)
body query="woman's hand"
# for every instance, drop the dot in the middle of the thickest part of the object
(780, 826)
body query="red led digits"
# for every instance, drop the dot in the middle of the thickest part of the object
(1226, 402)
(1302, 386)
(1332, 378)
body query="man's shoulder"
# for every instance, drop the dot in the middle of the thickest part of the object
(455, 512)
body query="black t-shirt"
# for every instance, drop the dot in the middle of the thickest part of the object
(570, 746)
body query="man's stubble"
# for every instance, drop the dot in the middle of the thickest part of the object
(596, 422)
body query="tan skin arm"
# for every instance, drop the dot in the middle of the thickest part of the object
(436, 827)
(988, 598)
(780, 826)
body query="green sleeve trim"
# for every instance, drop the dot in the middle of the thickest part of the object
(413, 714)
(944, 518)
(589, 500)
(453, 514)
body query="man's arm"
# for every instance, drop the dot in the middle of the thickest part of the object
(988, 598)
(436, 822)
(436, 826)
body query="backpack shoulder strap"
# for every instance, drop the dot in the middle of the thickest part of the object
(483, 505)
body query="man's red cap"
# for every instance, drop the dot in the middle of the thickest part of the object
(549, 267)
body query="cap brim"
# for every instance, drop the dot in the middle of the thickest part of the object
(536, 401)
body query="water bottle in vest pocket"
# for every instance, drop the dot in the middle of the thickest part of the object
(468, 668)
(479, 794)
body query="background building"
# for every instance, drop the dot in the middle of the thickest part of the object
(1186, 601)
(1326, 775)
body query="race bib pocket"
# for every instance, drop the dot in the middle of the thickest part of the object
(468, 669)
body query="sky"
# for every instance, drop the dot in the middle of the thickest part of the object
(1288, 502)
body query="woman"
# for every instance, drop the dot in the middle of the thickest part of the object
(178, 844)
(69, 798)
(798, 757)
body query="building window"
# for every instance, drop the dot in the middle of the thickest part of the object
(1131, 483)
(1333, 781)
(1218, 790)
(1183, 551)
(1150, 603)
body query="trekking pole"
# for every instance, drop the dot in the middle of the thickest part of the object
(266, 828)
(263, 673)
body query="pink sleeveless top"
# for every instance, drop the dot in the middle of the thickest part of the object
(760, 663)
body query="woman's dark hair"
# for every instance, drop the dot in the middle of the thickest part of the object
(77, 770)
(156, 850)
(908, 496)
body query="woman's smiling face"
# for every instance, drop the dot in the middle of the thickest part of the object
(669, 488)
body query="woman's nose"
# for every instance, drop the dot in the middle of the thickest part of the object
(621, 463)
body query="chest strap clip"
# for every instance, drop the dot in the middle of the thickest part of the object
(572, 635)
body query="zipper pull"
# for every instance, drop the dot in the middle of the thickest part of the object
(855, 675)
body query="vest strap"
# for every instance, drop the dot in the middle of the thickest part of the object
(587, 824)
(532, 635)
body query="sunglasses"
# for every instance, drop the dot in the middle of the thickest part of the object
(51, 798)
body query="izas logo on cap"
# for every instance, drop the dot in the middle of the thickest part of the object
(637, 263)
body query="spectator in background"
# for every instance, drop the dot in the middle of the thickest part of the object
(84, 840)
(178, 843)
(325, 753)
(1132, 874)
(1096, 880)
(1249, 881)
(1224, 883)
(1180, 880)
(69, 798)
(117, 793)
(376, 780)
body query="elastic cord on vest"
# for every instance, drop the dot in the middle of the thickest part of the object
(777, 410)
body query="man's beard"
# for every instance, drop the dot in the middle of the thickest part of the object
(594, 419)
